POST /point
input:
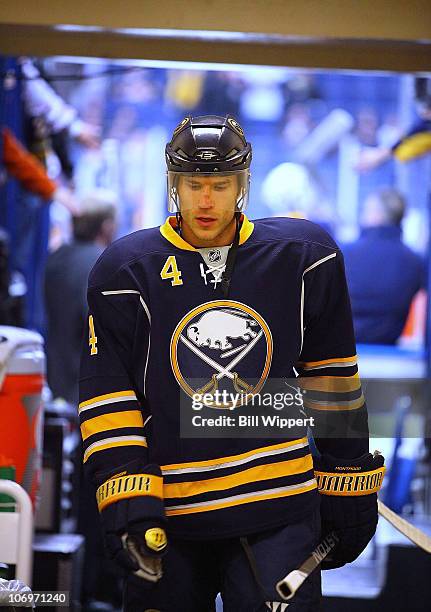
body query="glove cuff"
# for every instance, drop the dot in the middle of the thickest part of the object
(362, 476)
(134, 494)
(128, 486)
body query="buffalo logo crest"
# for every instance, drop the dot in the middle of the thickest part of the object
(222, 345)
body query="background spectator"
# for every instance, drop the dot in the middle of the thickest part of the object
(31, 174)
(383, 273)
(66, 277)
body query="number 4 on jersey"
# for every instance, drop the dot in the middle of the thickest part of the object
(170, 271)
(92, 338)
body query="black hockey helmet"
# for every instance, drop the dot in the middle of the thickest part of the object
(206, 146)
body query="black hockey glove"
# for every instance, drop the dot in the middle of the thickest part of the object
(348, 506)
(131, 508)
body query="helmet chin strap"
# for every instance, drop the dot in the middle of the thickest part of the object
(179, 223)
(230, 262)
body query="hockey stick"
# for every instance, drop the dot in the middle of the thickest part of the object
(287, 587)
(414, 534)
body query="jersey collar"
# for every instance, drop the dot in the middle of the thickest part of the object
(167, 230)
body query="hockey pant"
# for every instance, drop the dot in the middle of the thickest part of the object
(243, 570)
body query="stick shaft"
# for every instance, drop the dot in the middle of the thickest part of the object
(288, 586)
(415, 535)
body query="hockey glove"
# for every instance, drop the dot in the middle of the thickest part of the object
(131, 508)
(348, 506)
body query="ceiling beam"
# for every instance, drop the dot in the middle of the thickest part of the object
(361, 19)
(274, 51)
(383, 35)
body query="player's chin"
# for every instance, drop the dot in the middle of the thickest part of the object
(206, 233)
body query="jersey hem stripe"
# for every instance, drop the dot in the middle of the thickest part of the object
(233, 460)
(244, 498)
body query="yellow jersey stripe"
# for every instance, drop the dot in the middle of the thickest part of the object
(328, 362)
(254, 474)
(108, 398)
(231, 460)
(236, 500)
(335, 384)
(107, 443)
(112, 420)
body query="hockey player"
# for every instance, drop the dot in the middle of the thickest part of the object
(211, 300)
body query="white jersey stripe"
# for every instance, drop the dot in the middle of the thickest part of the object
(141, 299)
(334, 364)
(147, 312)
(316, 263)
(118, 439)
(244, 496)
(113, 400)
(227, 464)
(120, 291)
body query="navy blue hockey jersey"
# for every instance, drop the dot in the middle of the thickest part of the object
(159, 331)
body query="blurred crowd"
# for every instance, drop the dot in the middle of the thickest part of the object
(82, 162)
(322, 144)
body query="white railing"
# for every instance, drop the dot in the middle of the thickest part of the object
(16, 532)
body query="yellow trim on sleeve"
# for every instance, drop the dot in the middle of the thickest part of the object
(113, 420)
(328, 361)
(334, 384)
(348, 405)
(107, 445)
(107, 396)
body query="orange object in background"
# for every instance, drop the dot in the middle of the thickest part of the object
(414, 329)
(22, 364)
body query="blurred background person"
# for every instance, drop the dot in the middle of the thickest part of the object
(17, 162)
(41, 100)
(36, 116)
(65, 293)
(65, 283)
(24, 166)
(415, 142)
(383, 273)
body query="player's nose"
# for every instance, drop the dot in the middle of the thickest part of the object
(206, 197)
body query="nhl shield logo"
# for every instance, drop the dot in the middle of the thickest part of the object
(222, 345)
(214, 256)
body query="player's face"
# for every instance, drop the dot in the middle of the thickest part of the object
(207, 206)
